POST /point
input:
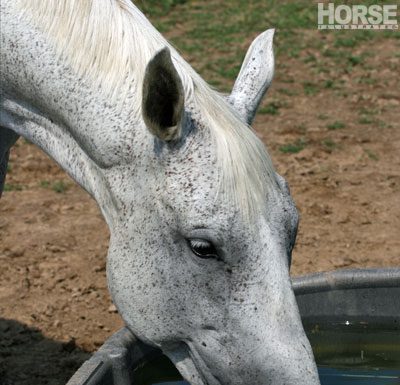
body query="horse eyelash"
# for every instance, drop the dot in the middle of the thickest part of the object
(199, 243)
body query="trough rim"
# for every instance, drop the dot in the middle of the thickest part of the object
(347, 279)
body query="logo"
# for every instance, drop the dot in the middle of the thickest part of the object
(357, 16)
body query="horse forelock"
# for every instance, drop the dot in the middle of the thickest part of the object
(245, 168)
(111, 42)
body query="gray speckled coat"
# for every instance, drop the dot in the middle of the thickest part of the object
(187, 273)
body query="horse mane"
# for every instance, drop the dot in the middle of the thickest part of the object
(110, 42)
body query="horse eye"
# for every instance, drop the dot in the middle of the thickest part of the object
(203, 249)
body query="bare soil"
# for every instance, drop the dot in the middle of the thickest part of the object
(54, 303)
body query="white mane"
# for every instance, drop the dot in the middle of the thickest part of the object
(111, 42)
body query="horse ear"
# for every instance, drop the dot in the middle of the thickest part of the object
(163, 97)
(255, 76)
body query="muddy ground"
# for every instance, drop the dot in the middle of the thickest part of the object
(338, 146)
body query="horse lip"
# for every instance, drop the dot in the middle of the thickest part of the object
(204, 370)
(187, 351)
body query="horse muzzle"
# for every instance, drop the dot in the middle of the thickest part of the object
(260, 345)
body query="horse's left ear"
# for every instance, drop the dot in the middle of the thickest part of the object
(163, 97)
(255, 76)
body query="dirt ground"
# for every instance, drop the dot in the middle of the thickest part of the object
(54, 304)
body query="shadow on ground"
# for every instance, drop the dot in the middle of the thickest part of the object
(27, 357)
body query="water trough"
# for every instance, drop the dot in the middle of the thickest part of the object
(349, 302)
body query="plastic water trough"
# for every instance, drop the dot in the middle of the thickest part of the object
(372, 295)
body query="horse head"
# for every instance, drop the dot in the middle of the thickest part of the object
(199, 258)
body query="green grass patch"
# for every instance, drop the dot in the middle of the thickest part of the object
(293, 52)
(310, 88)
(291, 15)
(12, 187)
(366, 80)
(369, 111)
(322, 116)
(226, 67)
(329, 144)
(337, 124)
(287, 80)
(302, 128)
(216, 35)
(383, 124)
(157, 7)
(44, 184)
(58, 186)
(354, 60)
(371, 154)
(328, 83)
(365, 120)
(293, 148)
(310, 59)
(333, 53)
(288, 92)
(271, 109)
(322, 69)
(348, 42)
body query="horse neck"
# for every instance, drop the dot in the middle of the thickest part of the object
(68, 117)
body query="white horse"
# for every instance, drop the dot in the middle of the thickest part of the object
(202, 228)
